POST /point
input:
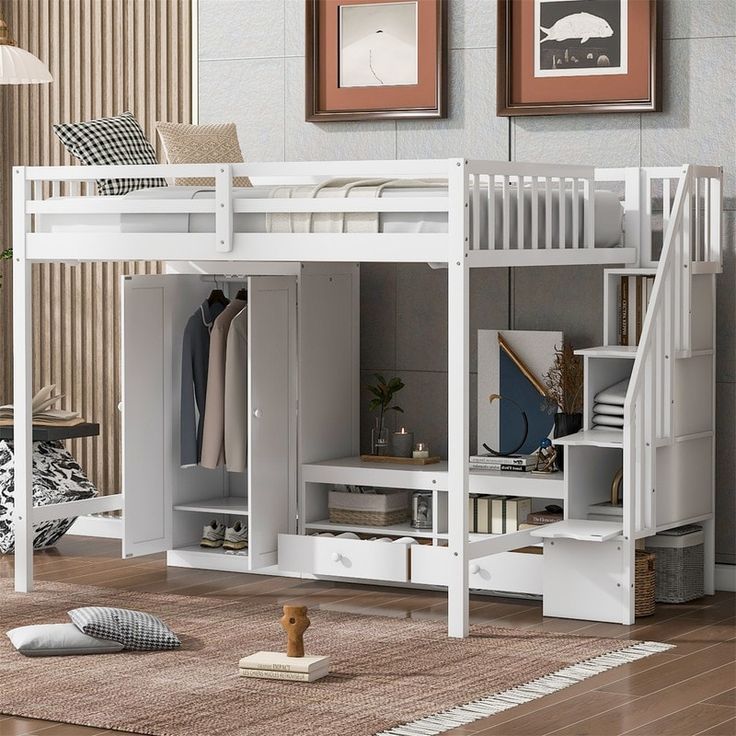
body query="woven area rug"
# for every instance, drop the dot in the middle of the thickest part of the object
(389, 675)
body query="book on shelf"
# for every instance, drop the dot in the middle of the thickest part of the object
(42, 412)
(279, 662)
(473, 512)
(287, 676)
(499, 467)
(498, 514)
(492, 460)
(538, 518)
(517, 509)
(483, 515)
(633, 300)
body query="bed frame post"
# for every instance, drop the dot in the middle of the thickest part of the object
(22, 385)
(458, 398)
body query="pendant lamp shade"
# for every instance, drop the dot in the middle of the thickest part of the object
(18, 66)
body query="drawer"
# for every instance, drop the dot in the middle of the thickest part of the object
(348, 558)
(510, 572)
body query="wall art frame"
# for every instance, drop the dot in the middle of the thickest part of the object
(560, 57)
(375, 59)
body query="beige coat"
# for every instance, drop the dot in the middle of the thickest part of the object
(213, 439)
(236, 394)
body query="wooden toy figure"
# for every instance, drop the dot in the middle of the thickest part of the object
(295, 622)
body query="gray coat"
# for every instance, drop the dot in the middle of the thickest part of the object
(194, 365)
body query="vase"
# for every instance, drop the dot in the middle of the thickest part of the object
(565, 424)
(379, 439)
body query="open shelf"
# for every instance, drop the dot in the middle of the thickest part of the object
(206, 558)
(583, 530)
(353, 471)
(232, 505)
(594, 438)
(610, 351)
(505, 482)
(400, 530)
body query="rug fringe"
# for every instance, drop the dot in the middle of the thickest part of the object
(489, 706)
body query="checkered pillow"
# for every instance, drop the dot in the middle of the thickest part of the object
(133, 629)
(118, 140)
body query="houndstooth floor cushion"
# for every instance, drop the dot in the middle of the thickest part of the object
(132, 629)
(57, 477)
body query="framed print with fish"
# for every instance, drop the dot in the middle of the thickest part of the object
(556, 57)
(375, 59)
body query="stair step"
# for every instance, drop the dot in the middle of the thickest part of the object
(632, 271)
(593, 438)
(583, 530)
(609, 351)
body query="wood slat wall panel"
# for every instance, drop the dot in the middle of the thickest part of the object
(106, 56)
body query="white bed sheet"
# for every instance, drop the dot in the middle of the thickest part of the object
(608, 216)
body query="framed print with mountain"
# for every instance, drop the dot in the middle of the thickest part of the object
(375, 59)
(576, 56)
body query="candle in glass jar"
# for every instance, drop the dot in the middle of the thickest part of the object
(421, 450)
(402, 443)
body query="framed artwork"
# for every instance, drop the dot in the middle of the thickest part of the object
(574, 56)
(375, 59)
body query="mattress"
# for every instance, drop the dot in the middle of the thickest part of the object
(608, 216)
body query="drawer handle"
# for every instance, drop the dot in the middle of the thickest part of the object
(474, 569)
(336, 557)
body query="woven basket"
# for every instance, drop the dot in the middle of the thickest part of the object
(645, 585)
(368, 518)
(387, 507)
(680, 564)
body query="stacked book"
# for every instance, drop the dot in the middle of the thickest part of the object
(634, 295)
(497, 514)
(277, 666)
(43, 414)
(512, 463)
(550, 515)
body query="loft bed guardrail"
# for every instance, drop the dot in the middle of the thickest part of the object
(508, 214)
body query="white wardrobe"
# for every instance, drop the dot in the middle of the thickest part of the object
(303, 353)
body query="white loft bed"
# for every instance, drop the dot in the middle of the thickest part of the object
(530, 209)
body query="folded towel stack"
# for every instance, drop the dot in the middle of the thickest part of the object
(608, 409)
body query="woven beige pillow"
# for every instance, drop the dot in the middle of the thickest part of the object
(201, 144)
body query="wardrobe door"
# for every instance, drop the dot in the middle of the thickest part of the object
(272, 407)
(154, 311)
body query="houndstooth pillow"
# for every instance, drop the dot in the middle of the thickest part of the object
(117, 140)
(133, 629)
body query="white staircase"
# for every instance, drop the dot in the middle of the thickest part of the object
(666, 447)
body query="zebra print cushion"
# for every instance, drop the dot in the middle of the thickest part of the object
(57, 477)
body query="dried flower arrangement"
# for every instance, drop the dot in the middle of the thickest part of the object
(564, 380)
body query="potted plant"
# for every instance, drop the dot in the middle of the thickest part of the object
(383, 396)
(564, 382)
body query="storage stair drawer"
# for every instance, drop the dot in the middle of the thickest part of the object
(349, 558)
(510, 572)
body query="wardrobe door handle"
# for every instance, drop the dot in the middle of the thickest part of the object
(257, 413)
(120, 406)
(474, 569)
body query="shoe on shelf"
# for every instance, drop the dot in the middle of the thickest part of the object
(213, 534)
(236, 536)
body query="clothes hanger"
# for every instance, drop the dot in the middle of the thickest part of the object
(217, 296)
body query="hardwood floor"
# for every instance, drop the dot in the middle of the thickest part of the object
(686, 691)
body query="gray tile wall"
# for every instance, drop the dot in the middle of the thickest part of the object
(251, 70)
